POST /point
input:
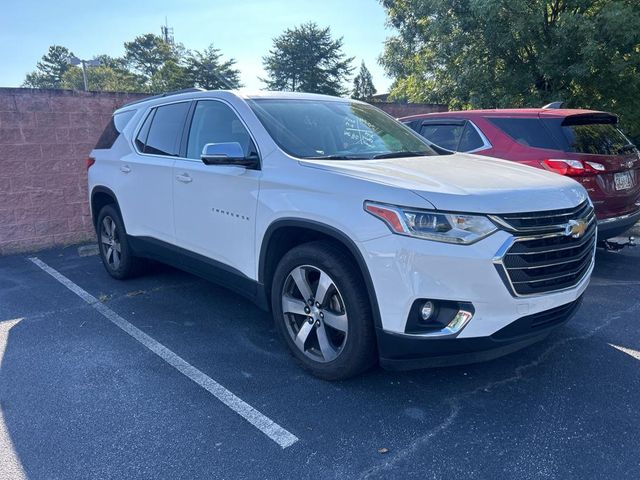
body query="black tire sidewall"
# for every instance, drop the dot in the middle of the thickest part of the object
(127, 260)
(359, 352)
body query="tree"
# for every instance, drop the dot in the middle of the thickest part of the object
(51, 69)
(511, 53)
(148, 53)
(207, 70)
(363, 88)
(171, 76)
(307, 59)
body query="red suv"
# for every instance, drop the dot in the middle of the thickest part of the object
(583, 144)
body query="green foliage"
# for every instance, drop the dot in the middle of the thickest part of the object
(51, 69)
(513, 53)
(148, 53)
(307, 59)
(207, 70)
(363, 88)
(149, 65)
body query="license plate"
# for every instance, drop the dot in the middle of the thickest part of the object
(622, 180)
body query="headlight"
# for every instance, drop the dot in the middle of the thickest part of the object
(442, 227)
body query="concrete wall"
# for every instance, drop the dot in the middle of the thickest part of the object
(45, 138)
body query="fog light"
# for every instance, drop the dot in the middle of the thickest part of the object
(427, 310)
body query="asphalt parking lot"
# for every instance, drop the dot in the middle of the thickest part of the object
(85, 397)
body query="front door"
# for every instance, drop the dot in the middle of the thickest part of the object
(215, 205)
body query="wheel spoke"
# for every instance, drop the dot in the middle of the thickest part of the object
(324, 285)
(293, 305)
(109, 254)
(113, 228)
(106, 225)
(299, 276)
(328, 352)
(336, 320)
(116, 259)
(104, 239)
(117, 247)
(303, 334)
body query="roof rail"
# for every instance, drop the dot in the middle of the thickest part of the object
(553, 105)
(166, 94)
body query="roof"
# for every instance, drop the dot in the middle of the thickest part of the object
(244, 94)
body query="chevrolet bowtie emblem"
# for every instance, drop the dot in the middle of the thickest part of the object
(575, 228)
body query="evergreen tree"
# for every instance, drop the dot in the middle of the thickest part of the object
(363, 88)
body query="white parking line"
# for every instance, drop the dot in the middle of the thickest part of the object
(263, 423)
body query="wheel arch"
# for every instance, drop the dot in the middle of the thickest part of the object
(286, 233)
(101, 196)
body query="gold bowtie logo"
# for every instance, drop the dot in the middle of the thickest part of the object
(575, 228)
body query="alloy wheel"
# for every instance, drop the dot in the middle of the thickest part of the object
(110, 239)
(314, 313)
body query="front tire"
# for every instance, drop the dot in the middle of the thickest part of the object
(115, 251)
(322, 311)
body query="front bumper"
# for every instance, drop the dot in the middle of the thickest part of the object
(404, 270)
(615, 226)
(404, 352)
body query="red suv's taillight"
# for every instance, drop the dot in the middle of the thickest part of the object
(90, 161)
(573, 168)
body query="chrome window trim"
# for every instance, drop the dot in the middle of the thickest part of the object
(486, 144)
(190, 100)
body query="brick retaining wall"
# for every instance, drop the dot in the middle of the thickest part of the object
(45, 137)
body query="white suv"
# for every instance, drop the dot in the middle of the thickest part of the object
(366, 243)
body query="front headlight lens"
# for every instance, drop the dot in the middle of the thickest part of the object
(459, 228)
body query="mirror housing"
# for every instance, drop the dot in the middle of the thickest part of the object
(228, 153)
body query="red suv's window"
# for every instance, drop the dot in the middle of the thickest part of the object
(595, 138)
(529, 132)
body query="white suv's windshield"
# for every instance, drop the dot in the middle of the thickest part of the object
(316, 129)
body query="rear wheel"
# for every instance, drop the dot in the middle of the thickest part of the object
(322, 311)
(117, 256)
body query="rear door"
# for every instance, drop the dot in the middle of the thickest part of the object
(145, 189)
(215, 205)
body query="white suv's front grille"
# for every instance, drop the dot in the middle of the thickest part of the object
(550, 256)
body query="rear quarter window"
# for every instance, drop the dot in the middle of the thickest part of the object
(529, 132)
(113, 129)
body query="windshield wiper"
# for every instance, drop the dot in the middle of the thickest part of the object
(337, 157)
(630, 147)
(400, 154)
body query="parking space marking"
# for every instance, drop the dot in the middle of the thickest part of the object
(275, 432)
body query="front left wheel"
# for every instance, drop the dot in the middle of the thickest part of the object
(322, 311)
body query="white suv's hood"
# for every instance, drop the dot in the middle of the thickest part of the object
(468, 183)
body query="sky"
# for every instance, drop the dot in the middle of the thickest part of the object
(241, 29)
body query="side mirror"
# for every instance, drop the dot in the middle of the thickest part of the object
(227, 153)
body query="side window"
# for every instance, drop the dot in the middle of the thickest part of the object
(529, 132)
(215, 122)
(113, 129)
(445, 136)
(470, 140)
(166, 129)
(141, 139)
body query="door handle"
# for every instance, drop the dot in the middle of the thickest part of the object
(125, 169)
(184, 178)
